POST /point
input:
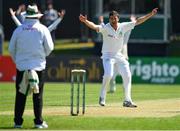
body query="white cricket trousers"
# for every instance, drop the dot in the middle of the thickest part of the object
(122, 67)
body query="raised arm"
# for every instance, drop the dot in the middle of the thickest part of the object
(56, 22)
(101, 20)
(88, 23)
(13, 16)
(62, 13)
(146, 17)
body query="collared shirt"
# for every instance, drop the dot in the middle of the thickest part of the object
(30, 44)
(113, 39)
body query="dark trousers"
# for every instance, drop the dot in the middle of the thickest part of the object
(20, 100)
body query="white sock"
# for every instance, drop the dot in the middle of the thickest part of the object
(127, 93)
(127, 88)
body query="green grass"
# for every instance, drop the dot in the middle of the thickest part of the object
(58, 94)
(99, 123)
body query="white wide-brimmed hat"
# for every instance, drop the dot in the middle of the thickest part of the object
(32, 12)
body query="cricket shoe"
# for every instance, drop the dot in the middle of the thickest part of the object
(102, 102)
(40, 126)
(129, 104)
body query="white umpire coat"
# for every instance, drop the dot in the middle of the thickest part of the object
(30, 44)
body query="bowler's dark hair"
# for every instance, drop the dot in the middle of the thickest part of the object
(115, 13)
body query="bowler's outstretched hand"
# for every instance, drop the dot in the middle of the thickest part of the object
(82, 18)
(154, 11)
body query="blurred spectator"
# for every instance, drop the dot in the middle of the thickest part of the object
(51, 27)
(50, 15)
(1, 39)
(100, 22)
(98, 39)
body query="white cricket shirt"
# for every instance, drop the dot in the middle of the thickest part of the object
(30, 44)
(113, 40)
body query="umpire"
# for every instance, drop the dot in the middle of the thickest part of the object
(29, 45)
